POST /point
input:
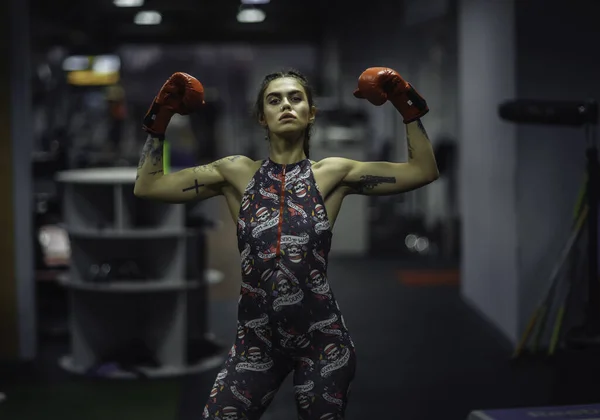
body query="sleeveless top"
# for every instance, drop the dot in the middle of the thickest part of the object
(284, 239)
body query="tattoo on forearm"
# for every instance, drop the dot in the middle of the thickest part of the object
(410, 148)
(153, 149)
(145, 151)
(369, 182)
(160, 171)
(156, 153)
(422, 128)
(196, 187)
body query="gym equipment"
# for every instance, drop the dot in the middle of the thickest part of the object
(575, 114)
(131, 283)
(540, 316)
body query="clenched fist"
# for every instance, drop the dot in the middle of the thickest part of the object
(181, 94)
(381, 84)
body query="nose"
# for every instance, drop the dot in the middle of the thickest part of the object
(285, 104)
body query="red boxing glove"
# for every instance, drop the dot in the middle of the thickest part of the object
(380, 84)
(181, 94)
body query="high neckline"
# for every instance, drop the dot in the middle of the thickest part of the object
(271, 161)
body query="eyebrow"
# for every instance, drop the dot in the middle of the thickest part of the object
(291, 92)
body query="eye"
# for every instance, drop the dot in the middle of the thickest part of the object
(273, 101)
(296, 99)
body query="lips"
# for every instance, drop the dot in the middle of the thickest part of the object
(287, 116)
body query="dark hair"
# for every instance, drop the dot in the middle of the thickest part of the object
(259, 106)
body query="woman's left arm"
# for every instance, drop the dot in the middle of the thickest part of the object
(379, 85)
(386, 178)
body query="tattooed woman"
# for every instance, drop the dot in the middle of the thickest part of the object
(285, 207)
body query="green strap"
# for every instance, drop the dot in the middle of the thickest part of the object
(166, 157)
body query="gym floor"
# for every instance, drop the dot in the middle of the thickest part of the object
(422, 354)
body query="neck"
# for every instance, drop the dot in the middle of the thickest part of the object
(286, 151)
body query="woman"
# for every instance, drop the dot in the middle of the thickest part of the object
(285, 207)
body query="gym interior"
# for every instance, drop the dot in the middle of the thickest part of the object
(474, 297)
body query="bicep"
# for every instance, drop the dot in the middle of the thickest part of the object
(383, 178)
(198, 183)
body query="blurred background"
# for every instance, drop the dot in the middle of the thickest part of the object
(113, 308)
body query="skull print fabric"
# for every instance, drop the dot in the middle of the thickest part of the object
(288, 318)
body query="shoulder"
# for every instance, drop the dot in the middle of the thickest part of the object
(331, 172)
(235, 162)
(235, 167)
(333, 163)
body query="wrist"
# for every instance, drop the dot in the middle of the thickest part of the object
(154, 134)
(159, 137)
(157, 119)
(410, 104)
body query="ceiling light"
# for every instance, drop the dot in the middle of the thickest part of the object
(147, 17)
(76, 62)
(251, 15)
(128, 3)
(106, 64)
(255, 1)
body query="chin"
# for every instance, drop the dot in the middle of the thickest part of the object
(289, 132)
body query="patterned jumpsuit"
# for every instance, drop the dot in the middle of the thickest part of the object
(288, 318)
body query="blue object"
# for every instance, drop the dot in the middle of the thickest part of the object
(571, 412)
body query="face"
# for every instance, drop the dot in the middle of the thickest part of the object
(286, 108)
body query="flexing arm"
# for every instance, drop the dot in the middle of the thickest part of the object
(181, 94)
(379, 85)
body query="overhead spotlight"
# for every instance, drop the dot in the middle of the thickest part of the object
(128, 3)
(250, 15)
(255, 1)
(106, 64)
(147, 17)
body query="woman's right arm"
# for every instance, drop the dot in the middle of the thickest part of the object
(181, 94)
(198, 183)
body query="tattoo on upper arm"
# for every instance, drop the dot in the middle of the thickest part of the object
(212, 166)
(204, 168)
(228, 159)
(368, 182)
(196, 187)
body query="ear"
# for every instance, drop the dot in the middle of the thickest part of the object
(262, 120)
(313, 114)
